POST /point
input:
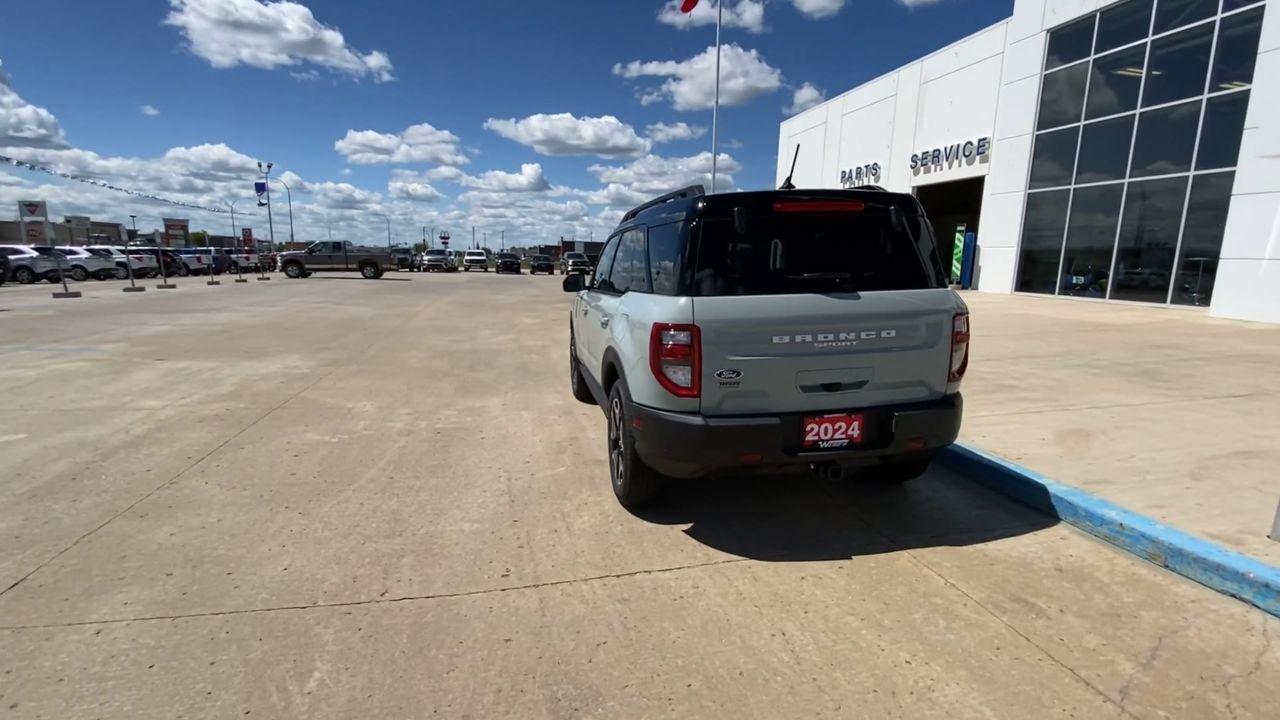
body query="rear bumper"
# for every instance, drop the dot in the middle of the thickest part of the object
(685, 445)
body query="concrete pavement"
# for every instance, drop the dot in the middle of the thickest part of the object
(1164, 411)
(346, 498)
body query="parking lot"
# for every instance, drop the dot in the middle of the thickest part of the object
(342, 498)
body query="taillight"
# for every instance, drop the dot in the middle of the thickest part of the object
(818, 206)
(675, 356)
(959, 347)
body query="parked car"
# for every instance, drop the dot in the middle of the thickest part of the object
(439, 261)
(242, 260)
(747, 336)
(574, 262)
(475, 260)
(541, 263)
(507, 262)
(340, 256)
(204, 260)
(403, 257)
(144, 264)
(173, 264)
(26, 265)
(61, 268)
(83, 263)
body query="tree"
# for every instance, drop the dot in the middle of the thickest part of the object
(198, 238)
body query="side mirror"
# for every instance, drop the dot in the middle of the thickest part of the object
(573, 283)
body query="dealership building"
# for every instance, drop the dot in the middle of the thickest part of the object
(1122, 151)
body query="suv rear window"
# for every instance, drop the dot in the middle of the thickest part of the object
(795, 252)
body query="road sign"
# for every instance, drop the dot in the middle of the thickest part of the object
(175, 232)
(33, 210)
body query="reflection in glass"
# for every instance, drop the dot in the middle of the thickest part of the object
(1104, 150)
(1091, 235)
(1115, 82)
(1042, 227)
(1176, 13)
(1122, 24)
(1177, 66)
(1237, 51)
(1202, 238)
(1053, 158)
(1062, 96)
(1165, 140)
(1148, 239)
(1069, 43)
(1223, 128)
(1229, 5)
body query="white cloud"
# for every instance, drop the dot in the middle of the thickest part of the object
(664, 132)
(529, 179)
(564, 134)
(344, 196)
(25, 125)
(652, 175)
(746, 14)
(269, 35)
(149, 110)
(345, 171)
(419, 143)
(446, 172)
(805, 97)
(419, 191)
(690, 84)
(826, 8)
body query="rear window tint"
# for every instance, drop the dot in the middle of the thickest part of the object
(793, 253)
(664, 257)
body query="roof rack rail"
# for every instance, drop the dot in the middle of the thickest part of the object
(687, 192)
(868, 187)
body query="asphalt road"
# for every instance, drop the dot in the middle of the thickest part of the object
(339, 498)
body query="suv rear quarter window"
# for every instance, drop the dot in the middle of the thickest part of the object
(665, 251)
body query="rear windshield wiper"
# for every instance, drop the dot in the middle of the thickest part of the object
(843, 278)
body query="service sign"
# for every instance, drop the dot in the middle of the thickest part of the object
(33, 210)
(966, 153)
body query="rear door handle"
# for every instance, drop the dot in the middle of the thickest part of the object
(604, 321)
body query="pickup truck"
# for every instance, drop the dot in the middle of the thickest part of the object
(337, 256)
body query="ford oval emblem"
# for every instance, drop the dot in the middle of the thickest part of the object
(728, 374)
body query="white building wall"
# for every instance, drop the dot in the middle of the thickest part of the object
(988, 84)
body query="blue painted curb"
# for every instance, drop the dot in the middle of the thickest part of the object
(1211, 565)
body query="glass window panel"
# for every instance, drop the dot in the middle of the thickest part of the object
(1104, 150)
(1053, 158)
(1069, 43)
(1177, 65)
(1091, 236)
(1125, 23)
(1176, 13)
(1229, 5)
(1165, 140)
(1237, 50)
(1062, 96)
(1115, 82)
(1223, 127)
(1148, 239)
(665, 243)
(1042, 228)
(1202, 238)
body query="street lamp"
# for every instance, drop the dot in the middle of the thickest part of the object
(289, 194)
(271, 227)
(232, 205)
(384, 217)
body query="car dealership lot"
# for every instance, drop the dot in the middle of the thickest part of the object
(336, 497)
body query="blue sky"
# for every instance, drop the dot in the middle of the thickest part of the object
(235, 81)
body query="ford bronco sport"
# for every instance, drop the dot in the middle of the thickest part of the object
(761, 331)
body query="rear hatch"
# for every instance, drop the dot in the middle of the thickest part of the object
(819, 305)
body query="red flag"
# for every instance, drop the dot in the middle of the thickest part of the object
(688, 5)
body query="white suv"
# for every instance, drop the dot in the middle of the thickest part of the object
(762, 331)
(477, 259)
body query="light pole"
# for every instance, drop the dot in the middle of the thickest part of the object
(128, 260)
(384, 217)
(271, 227)
(232, 205)
(289, 194)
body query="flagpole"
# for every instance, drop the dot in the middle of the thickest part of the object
(715, 109)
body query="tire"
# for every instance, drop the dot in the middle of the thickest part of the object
(577, 383)
(122, 273)
(900, 470)
(369, 271)
(24, 276)
(79, 273)
(293, 270)
(234, 268)
(183, 270)
(634, 483)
